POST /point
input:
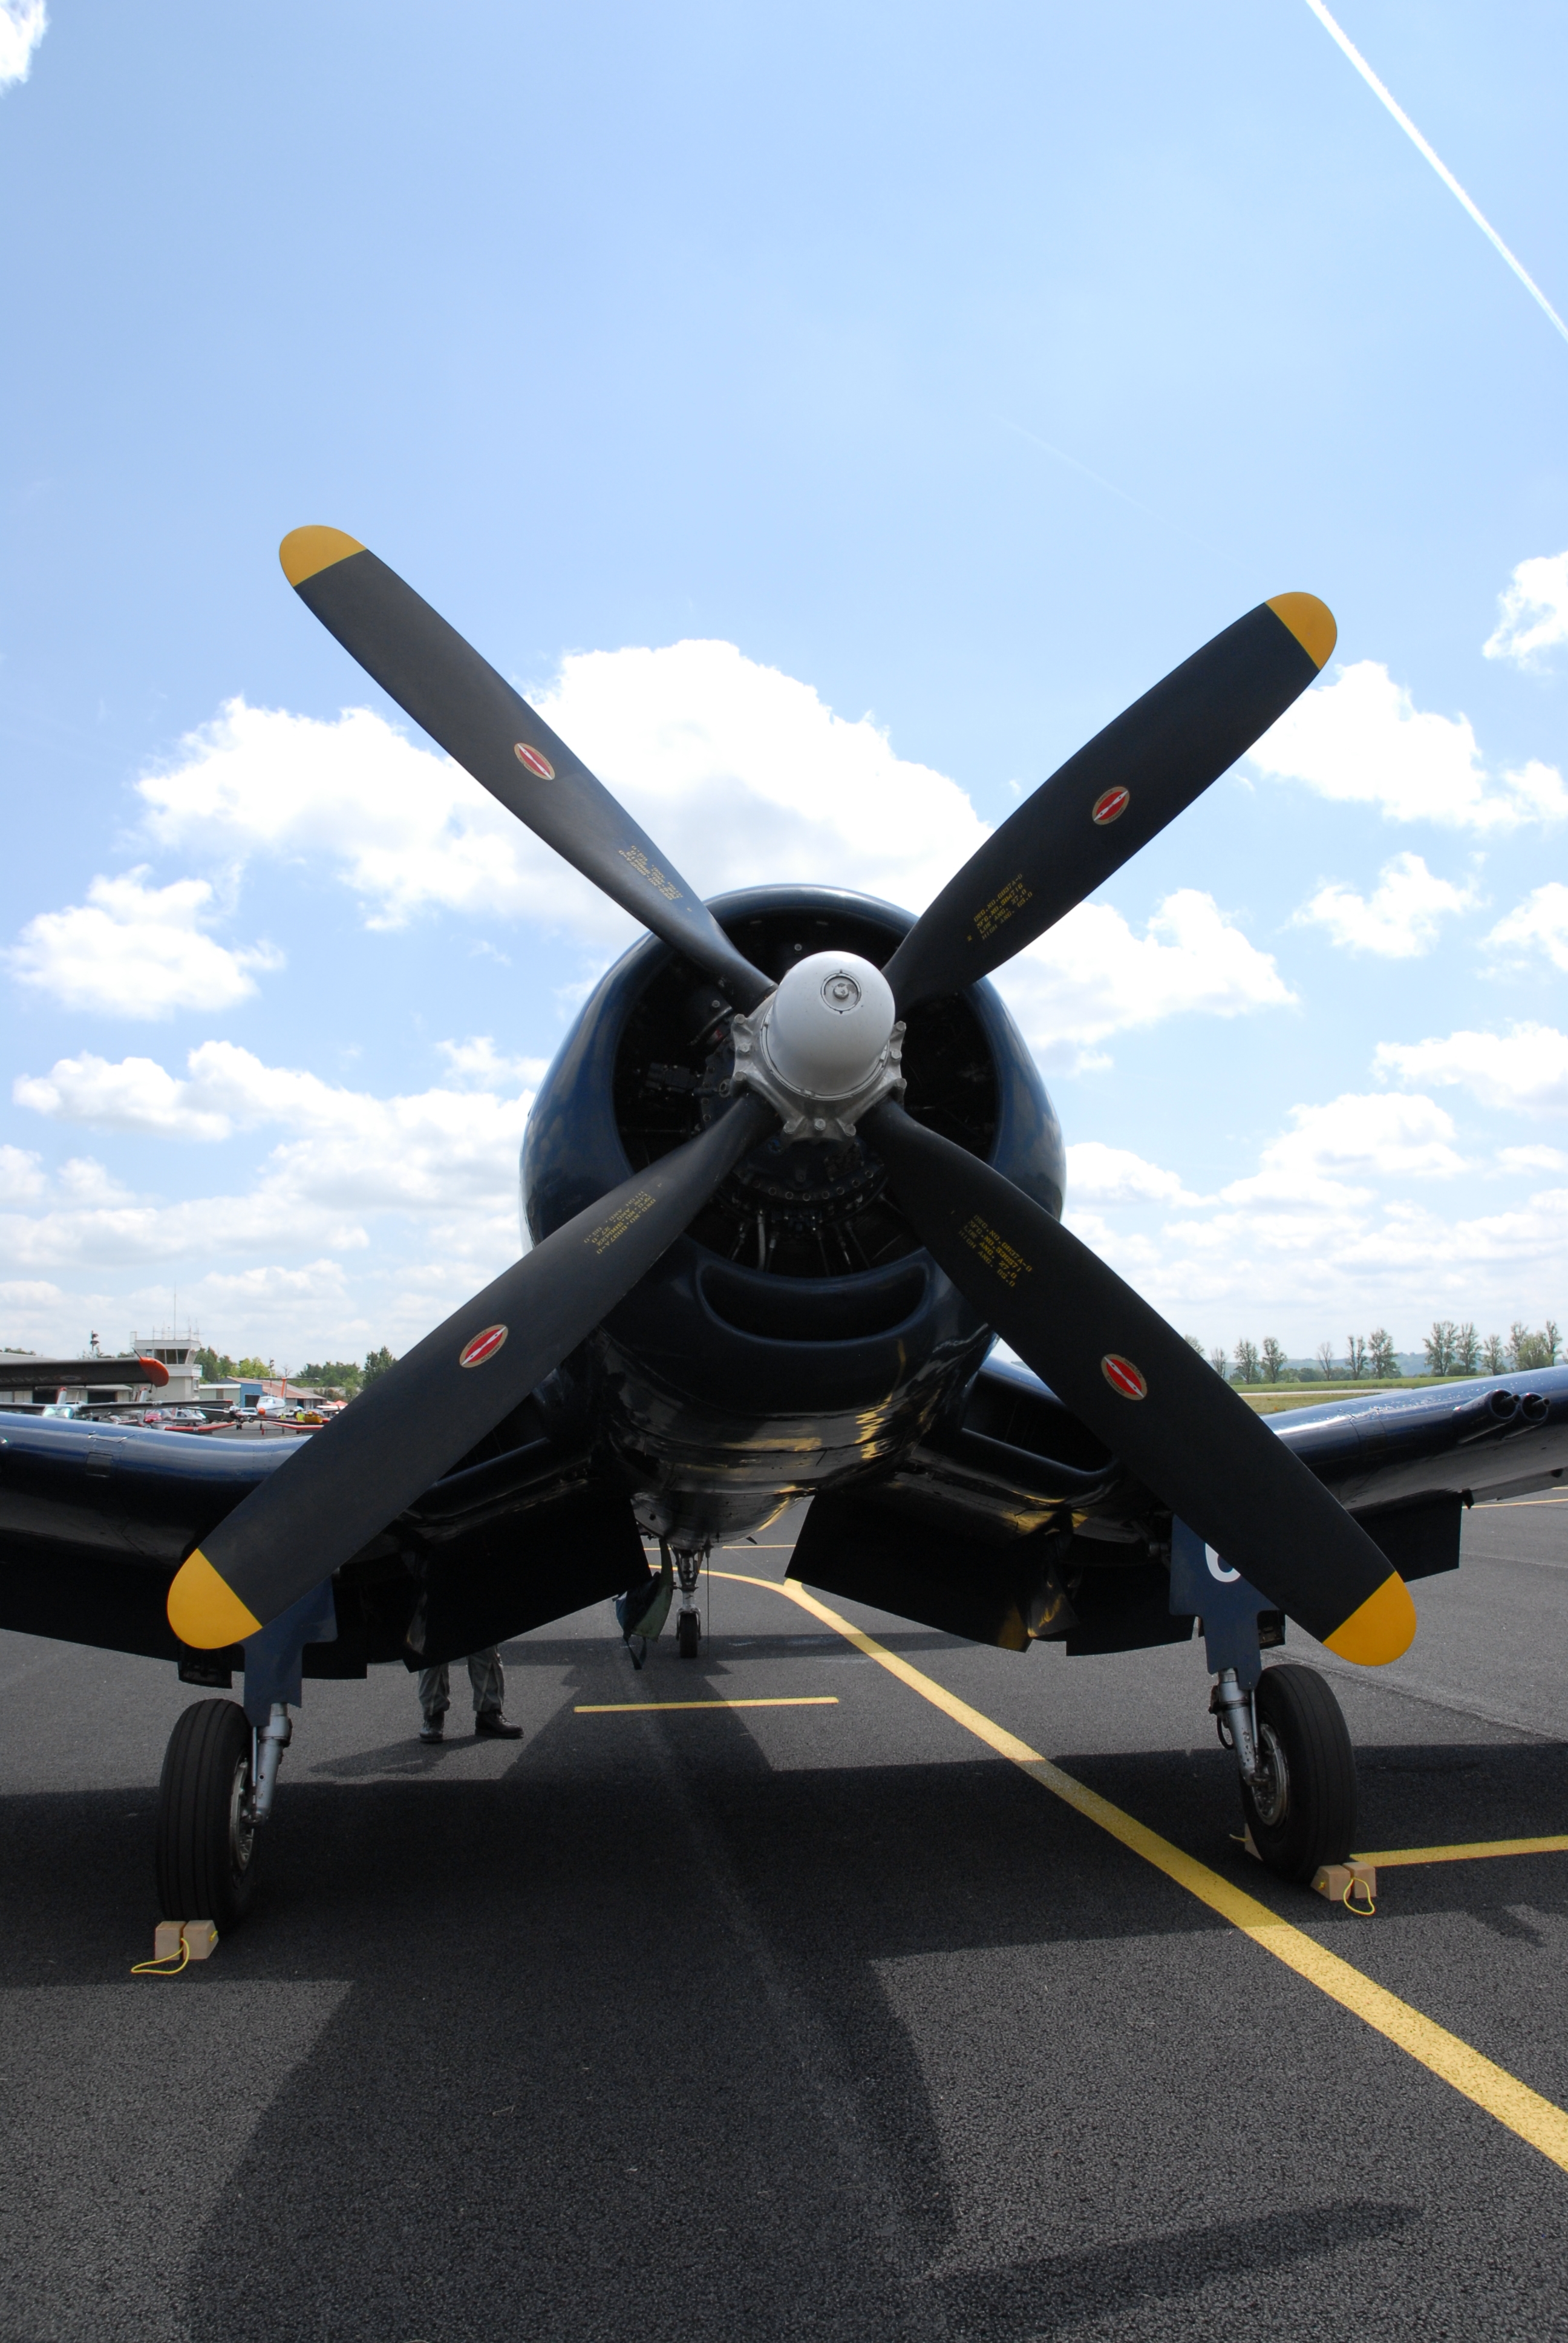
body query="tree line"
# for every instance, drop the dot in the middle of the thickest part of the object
(321, 1374)
(1450, 1349)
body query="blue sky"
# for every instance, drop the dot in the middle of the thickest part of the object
(835, 415)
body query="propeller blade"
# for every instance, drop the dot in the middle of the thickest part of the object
(413, 1423)
(1116, 794)
(1146, 1393)
(458, 697)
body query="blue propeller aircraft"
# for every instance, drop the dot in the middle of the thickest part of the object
(791, 1175)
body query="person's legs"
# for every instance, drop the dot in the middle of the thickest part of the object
(435, 1700)
(488, 1680)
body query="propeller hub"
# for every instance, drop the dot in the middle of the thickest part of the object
(826, 1028)
(825, 1047)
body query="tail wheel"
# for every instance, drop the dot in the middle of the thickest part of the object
(1302, 1812)
(207, 1842)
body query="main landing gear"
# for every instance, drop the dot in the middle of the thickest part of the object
(1286, 1729)
(220, 1768)
(1298, 1770)
(215, 1793)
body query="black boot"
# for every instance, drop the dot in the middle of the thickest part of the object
(490, 1724)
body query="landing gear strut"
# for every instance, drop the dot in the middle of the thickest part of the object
(1292, 1751)
(1299, 1794)
(220, 1768)
(689, 1561)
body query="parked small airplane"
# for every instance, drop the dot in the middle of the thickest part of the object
(787, 1179)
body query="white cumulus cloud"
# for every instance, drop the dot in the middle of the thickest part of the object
(1525, 1069)
(1531, 611)
(1099, 1174)
(23, 24)
(478, 1063)
(343, 1148)
(442, 1163)
(1303, 1273)
(403, 827)
(746, 775)
(1540, 922)
(133, 950)
(1337, 1227)
(741, 773)
(21, 1175)
(86, 1219)
(1093, 975)
(131, 1094)
(738, 771)
(1328, 1147)
(1360, 739)
(1398, 920)
(1531, 1159)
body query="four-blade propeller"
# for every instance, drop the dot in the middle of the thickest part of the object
(1109, 1357)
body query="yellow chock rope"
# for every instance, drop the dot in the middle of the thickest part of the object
(1362, 1911)
(162, 1969)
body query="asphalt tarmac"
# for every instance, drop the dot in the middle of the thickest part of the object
(818, 2020)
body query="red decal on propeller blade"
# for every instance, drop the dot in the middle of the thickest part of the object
(1108, 806)
(546, 771)
(482, 1347)
(1123, 1376)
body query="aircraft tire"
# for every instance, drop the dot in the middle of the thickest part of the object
(688, 1634)
(206, 1850)
(1310, 1817)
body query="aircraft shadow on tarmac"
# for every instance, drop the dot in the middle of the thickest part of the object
(623, 2011)
(407, 1756)
(1061, 2290)
(804, 1646)
(964, 1852)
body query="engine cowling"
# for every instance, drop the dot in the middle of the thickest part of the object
(799, 1332)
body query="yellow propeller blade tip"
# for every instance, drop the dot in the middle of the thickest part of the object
(1310, 621)
(304, 551)
(1381, 1630)
(205, 1612)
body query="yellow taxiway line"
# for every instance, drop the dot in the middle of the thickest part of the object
(627, 1707)
(1476, 1852)
(1534, 2119)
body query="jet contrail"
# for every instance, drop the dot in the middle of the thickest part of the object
(1138, 506)
(1438, 165)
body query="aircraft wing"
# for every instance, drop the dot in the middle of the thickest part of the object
(1008, 1524)
(1011, 1523)
(96, 1519)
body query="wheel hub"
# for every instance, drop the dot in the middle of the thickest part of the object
(241, 1828)
(1271, 1790)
